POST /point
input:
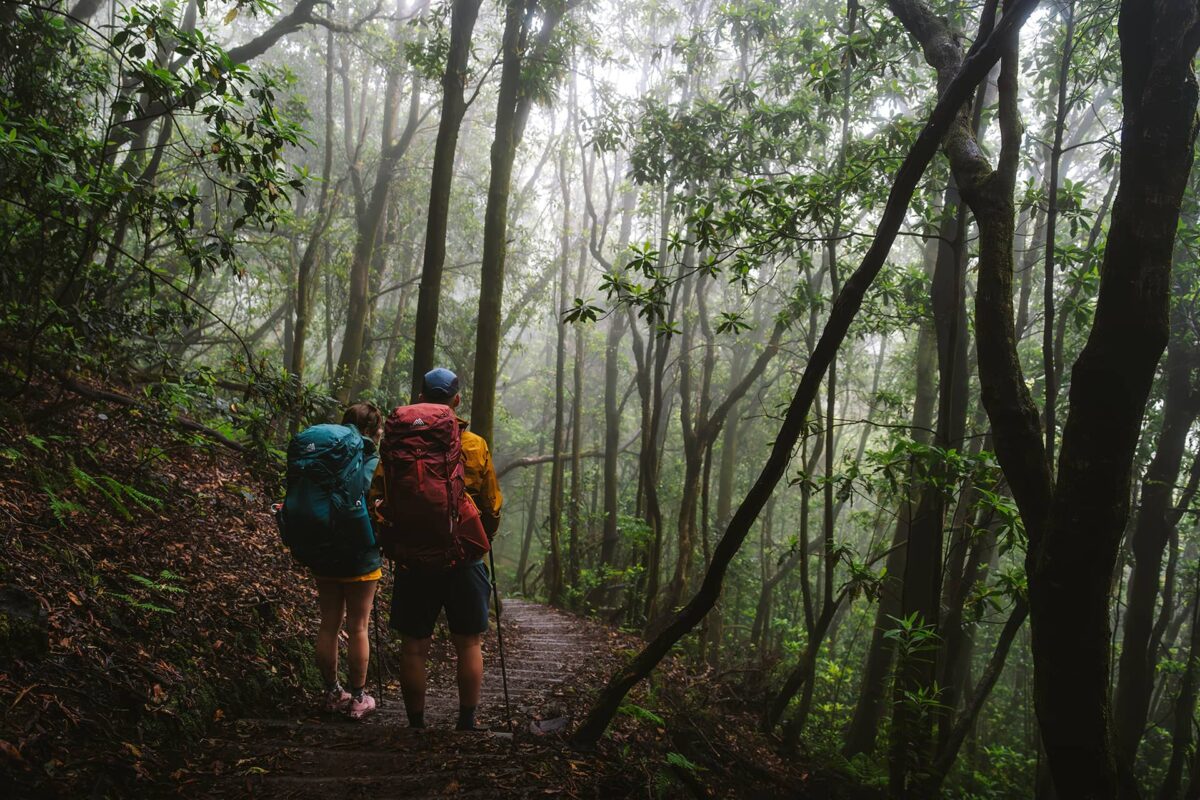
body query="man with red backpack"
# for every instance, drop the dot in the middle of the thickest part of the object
(437, 503)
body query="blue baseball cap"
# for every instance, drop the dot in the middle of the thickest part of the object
(440, 384)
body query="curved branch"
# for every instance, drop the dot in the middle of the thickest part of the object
(975, 68)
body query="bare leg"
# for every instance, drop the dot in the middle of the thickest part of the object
(470, 668)
(358, 613)
(413, 654)
(332, 602)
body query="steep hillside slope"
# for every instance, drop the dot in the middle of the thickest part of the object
(143, 595)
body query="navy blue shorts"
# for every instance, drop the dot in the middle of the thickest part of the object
(419, 596)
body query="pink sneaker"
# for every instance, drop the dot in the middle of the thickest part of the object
(336, 701)
(360, 707)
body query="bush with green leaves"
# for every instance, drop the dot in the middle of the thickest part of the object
(131, 158)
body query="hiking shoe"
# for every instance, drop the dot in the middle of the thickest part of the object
(336, 701)
(361, 706)
(473, 726)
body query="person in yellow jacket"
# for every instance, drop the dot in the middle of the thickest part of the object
(463, 591)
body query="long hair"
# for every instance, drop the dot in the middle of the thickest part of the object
(365, 417)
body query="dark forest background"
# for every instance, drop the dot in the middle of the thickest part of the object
(849, 349)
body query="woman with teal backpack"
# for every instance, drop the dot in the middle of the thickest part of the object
(325, 523)
(352, 594)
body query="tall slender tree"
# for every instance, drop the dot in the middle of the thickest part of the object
(529, 37)
(463, 14)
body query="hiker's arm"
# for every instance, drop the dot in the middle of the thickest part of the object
(489, 499)
(377, 496)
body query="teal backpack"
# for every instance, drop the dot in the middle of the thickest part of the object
(324, 519)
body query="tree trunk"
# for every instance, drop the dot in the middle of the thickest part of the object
(1152, 531)
(912, 747)
(309, 261)
(660, 347)
(350, 371)
(554, 576)
(328, 325)
(1075, 526)
(574, 535)
(612, 440)
(531, 520)
(1183, 736)
(864, 725)
(612, 413)
(391, 375)
(1110, 383)
(1056, 152)
(958, 732)
(699, 433)
(512, 112)
(463, 15)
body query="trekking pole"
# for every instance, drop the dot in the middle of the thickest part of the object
(500, 642)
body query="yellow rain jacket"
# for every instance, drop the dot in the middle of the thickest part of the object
(482, 485)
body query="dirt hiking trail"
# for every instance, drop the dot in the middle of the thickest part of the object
(327, 756)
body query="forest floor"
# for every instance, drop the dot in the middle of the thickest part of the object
(155, 640)
(551, 657)
(554, 661)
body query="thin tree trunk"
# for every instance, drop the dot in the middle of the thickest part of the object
(913, 743)
(612, 414)
(463, 15)
(554, 566)
(328, 325)
(659, 347)
(531, 521)
(574, 535)
(965, 722)
(512, 112)
(350, 372)
(1060, 120)
(309, 262)
(1151, 533)
(1183, 735)
(864, 725)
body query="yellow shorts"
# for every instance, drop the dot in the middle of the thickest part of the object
(374, 575)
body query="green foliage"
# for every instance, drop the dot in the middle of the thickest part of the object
(635, 532)
(732, 322)
(643, 714)
(1008, 773)
(912, 637)
(680, 761)
(62, 508)
(590, 580)
(649, 299)
(582, 311)
(103, 135)
(428, 54)
(1010, 529)
(118, 495)
(146, 594)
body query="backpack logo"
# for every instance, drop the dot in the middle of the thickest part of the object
(311, 448)
(418, 423)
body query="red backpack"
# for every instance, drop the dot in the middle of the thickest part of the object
(429, 520)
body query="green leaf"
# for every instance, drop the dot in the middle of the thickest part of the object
(644, 714)
(680, 761)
